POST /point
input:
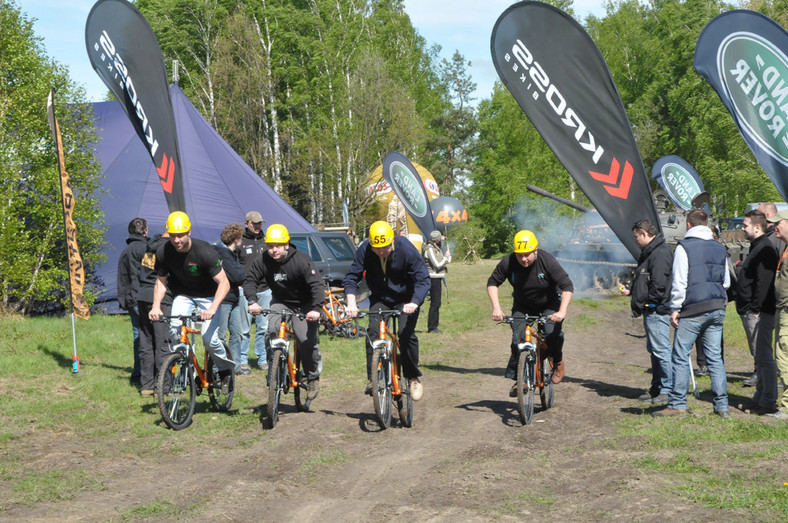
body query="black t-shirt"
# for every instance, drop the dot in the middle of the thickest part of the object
(535, 288)
(190, 273)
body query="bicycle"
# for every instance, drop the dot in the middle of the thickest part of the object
(534, 371)
(181, 379)
(334, 318)
(283, 370)
(388, 383)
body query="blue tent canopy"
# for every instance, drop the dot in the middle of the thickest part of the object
(219, 187)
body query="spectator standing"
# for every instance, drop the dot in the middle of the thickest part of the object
(650, 297)
(437, 266)
(230, 312)
(295, 284)
(154, 336)
(755, 303)
(128, 284)
(252, 247)
(781, 295)
(698, 299)
(398, 279)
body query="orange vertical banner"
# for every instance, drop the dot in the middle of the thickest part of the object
(75, 267)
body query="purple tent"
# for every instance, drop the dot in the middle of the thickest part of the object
(220, 188)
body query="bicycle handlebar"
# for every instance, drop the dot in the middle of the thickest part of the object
(386, 313)
(286, 313)
(194, 316)
(540, 319)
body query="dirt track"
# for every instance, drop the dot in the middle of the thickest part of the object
(467, 458)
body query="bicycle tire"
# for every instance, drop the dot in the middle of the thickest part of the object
(277, 374)
(405, 404)
(176, 392)
(219, 401)
(348, 327)
(381, 388)
(547, 391)
(525, 388)
(302, 401)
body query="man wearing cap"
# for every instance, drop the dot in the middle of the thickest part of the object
(252, 247)
(193, 270)
(295, 285)
(697, 304)
(128, 286)
(436, 265)
(781, 295)
(540, 287)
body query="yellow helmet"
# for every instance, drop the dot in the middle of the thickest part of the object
(380, 234)
(277, 233)
(178, 223)
(525, 241)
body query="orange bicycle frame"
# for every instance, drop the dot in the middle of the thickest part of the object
(184, 338)
(384, 330)
(540, 346)
(291, 357)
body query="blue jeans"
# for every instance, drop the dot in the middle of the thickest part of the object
(658, 345)
(230, 319)
(134, 315)
(260, 342)
(708, 327)
(183, 306)
(244, 320)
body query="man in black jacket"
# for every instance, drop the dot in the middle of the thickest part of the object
(295, 284)
(756, 304)
(650, 295)
(252, 247)
(128, 284)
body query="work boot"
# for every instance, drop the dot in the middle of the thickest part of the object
(558, 372)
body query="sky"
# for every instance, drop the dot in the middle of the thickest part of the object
(463, 25)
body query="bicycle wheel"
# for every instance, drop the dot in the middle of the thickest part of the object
(219, 401)
(176, 391)
(405, 404)
(348, 327)
(525, 388)
(302, 401)
(275, 386)
(381, 387)
(547, 391)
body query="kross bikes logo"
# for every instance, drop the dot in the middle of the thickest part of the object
(408, 187)
(755, 77)
(536, 81)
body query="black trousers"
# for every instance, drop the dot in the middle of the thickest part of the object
(433, 317)
(154, 344)
(406, 334)
(553, 338)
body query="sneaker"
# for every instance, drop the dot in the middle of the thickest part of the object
(780, 415)
(660, 399)
(664, 413)
(243, 370)
(513, 391)
(724, 414)
(368, 389)
(703, 371)
(312, 389)
(647, 397)
(751, 381)
(558, 372)
(435, 331)
(416, 390)
(226, 378)
(146, 392)
(263, 367)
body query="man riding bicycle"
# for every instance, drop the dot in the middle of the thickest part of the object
(193, 271)
(295, 284)
(540, 287)
(397, 279)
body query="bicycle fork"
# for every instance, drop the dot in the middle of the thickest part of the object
(392, 357)
(283, 344)
(529, 346)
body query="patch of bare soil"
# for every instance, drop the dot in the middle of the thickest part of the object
(467, 457)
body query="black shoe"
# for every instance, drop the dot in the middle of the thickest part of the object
(226, 378)
(703, 371)
(435, 331)
(661, 399)
(751, 381)
(647, 397)
(312, 389)
(368, 389)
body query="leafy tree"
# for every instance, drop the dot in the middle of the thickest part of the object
(33, 264)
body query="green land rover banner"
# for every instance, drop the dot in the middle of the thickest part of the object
(742, 54)
(408, 186)
(679, 180)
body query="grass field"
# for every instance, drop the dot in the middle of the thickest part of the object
(46, 409)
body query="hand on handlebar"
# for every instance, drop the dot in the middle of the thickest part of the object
(351, 311)
(409, 308)
(497, 314)
(557, 317)
(154, 314)
(312, 316)
(255, 309)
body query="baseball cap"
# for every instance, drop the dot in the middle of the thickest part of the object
(782, 215)
(254, 217)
